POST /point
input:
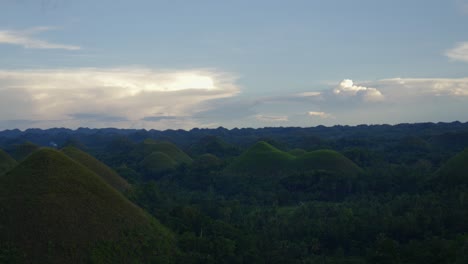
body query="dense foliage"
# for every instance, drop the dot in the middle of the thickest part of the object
(365, 194)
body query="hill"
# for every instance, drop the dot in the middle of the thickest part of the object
(149, 146)
(101, 169)
(262, 158)
(6, 162)
(328, 160)
(157, 162)
(55, 210)
(213, 145)
(455, 171)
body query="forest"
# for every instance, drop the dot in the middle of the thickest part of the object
(341, 194)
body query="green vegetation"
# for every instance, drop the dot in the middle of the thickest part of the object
(6, 162)
(106, 173)
(54, 210)
(364, 194)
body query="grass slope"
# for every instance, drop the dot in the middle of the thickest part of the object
(6, 162)
(101, 169)
(55, 210)
(455, 170)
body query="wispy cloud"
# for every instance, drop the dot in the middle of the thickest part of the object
(119, 97)
(272, 118)
(26, 39)
(319, 114)
(459, 52)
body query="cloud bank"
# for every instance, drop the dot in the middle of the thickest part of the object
(25, 39)
(118, 97)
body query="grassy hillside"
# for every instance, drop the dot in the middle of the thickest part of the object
(55, 210)
(101, 169)
(455, 170)
(6, 162)
(207, 161)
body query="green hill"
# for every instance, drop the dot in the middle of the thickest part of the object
(213, 145)
(107, 174)
(207, 161)
(55, 210)
(455, 170)
(328, 160)
(6, 162)
(149, 146)
(157, 162)
(297, 152)
(262, 158)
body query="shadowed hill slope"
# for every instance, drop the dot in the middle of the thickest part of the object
(21, 151)
(107, 174)
(55, 210)
(6, 162)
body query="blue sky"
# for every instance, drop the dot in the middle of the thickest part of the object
(184, 64)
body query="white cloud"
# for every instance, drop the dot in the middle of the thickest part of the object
(347, 88)
(271, 118)
(413, 88)
(120, 97)
(25, 39)
(319, 114)
(459, 52)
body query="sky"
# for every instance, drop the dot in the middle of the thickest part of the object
(246, 63)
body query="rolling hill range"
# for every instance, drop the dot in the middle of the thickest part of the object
(6, 162)
(157, 162)
(264, 159)
(107, 174)
(55, 210)
(149, 146)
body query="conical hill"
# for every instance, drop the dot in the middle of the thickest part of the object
(55, 210)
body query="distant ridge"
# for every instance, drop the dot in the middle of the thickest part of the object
(55, 210)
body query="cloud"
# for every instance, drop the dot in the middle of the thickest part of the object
(271, 118)
(347, 88)
(25, 39)
(319, 114)
(459, 52)
(119, 97)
